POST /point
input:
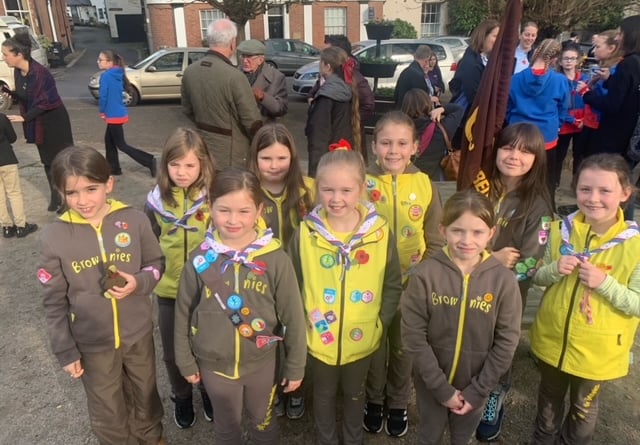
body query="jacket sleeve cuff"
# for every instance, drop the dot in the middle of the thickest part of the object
(475, 399)
(69, 356)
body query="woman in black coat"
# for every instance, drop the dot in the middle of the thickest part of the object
(44, 118)
(418, 106)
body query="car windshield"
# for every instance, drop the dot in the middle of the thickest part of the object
(144, 61)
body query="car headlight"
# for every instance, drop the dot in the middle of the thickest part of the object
(310, 76)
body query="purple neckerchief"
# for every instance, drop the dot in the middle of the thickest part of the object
(239, 257)
(154, 202)
(343, 249)
(566, 248)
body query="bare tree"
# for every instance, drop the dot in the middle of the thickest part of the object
(241, 11)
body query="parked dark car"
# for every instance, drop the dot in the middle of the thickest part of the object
(288, 54)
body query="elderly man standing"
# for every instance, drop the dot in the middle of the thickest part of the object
(269, 85)
(219, 99)
(415, 76)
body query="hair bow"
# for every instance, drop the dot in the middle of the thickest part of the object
(342, 144)
(347, 70)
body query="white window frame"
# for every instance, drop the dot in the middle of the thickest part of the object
(207, 16)
(430, 18)
(23, 12)
(335, 21)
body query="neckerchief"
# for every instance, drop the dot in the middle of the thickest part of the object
(343, 249)
(154, 202)
(567, 249)
(240, 257)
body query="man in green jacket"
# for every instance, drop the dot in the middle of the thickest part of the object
(218, 98)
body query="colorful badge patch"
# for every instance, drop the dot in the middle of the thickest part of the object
(234, 302)
(315, 316)
(258, 324)
(327, 338)
(322, 326)
(331, 317)
(356, 334)
(327, 261)
(412, 197)
(264, 340)
(356, 296)
(236, 319)
(407, 232)
(361, 257)
(44, 276)
(154, 271)
(370, 183)
(200, 264)
(245, 311)
(245, 330)
(211, 256)
(329, 296)
(374, 195)
(415, 212)
(367, 296)
(545, 223)
(543, 237)
(123, 239)
(121, 225)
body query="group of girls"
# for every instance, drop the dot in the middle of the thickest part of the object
(332, 302)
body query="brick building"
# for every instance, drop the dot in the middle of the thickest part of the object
(184, 23)
(46, 18)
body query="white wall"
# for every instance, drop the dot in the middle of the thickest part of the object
(115, 7)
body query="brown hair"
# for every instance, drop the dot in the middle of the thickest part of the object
(533, 184)
(336, 57)
(610, 37)
(233, 179)
(79, 161)
(607, 162)
(417, 103)
(294, 200)
(20, 43)
(481, 32)
(118, 61)
(547, 51)
(468, 201)
(182, 141)
(398, 118)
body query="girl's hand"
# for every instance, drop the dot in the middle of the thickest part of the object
(581, 86)
(590, 276)
(604, 73)
(508, 256)
(466, 408)
(121, 292)
(290, 385)
(74, 369)
(456, 401)
(436, 114)
(566, 264)
(193, 379)
(15, 118)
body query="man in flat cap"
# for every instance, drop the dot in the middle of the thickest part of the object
(217, 97)
(269, 84)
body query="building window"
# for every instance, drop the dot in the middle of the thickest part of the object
(335, 21)
(19, 9)
(430, 20)
(206, 17)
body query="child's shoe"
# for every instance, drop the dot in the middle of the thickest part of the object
(183, 413)
(9, 231)
(373, 418)
(492, 417)
(295, 407)
(207, 408)
(278, 406)
(397, 423)
(21, 232)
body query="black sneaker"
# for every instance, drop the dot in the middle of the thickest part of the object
(295, 407)
(207, 408)
(397, 423)
(183, 414)
(373, 418)
(9, 231)
(21, 232)
(278, 406)
(491, 423)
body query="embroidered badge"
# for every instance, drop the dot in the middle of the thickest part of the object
(356, 334)
(374, 195)
(330, 317)
(154, 271)
(264, 340)
(315, 316)
(44, 276)
(329, 296)
(367, 296)
(543, 237)
(234, 302)
(545, 223)
(327, 338)
(356, 296)
(327, 261)
(370, 183)
(322, 326)
(211, 256)
(123, 239)
(200, 264)
(407, 232)
(258, 324)
(245, 330)
(361, 257)
(236, 319)
(415, 212)
(121, 225)
(412, 197)
(245, 311)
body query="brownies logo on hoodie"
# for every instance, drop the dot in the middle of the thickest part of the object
(482, 302)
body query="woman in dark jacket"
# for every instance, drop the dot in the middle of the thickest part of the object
(620, 106)
(334, 111)
(435, 75)
(466, 80)
(418, 106)
(44, 118)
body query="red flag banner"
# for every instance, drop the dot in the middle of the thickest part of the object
(490, 105)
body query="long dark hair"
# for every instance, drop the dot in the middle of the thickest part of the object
(295, 201)
(118, 61)
(534, 183)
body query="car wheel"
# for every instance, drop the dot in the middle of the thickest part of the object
(131, 97)
(5, 102)
(271, 63)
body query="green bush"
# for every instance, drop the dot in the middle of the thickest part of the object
(403, 30)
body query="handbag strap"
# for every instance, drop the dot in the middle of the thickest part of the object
(427, 135)
(446, 138)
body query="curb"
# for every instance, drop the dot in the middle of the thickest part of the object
(76, 58)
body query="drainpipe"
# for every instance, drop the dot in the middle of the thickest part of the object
(53, 25)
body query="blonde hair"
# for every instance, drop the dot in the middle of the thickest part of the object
(350, 158)
(548, 50)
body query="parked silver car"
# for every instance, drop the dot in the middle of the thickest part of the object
(400, 50)
(289, 54)
(159, 76)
